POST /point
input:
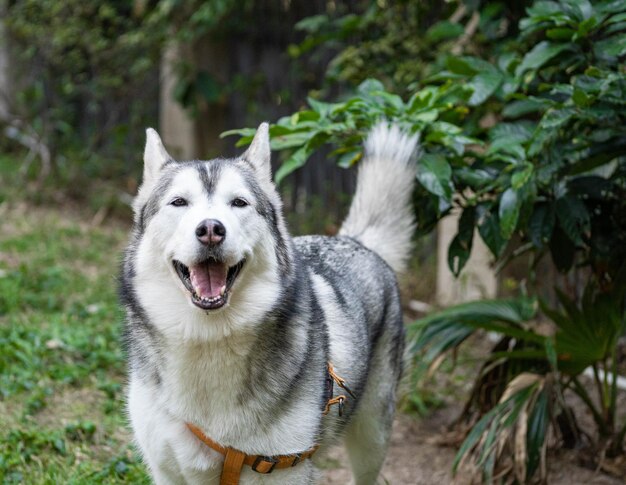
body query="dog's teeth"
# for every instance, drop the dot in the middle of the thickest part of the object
(222, 290)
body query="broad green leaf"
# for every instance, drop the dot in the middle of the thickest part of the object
(573, 218)
(434, 173)
(484, 84)
(612, 47)
(520, 130)
(426, 116)
(593, 71)
(550, 351)
(522, 175)
(369, 86)
(538, 423)
(447, 128)
(474, 177)
(392, 99)
(349, 107)
(523, 107)
(461, 246)
(312, 23)
(544, 9)
(586, 26)
(588, 164)
(323, 109)
(458, 143)
(506, 311)
(558, 89)
(614, 28)
(489, 230)
(434, 340)
(508, 212)
(444, 30)
(554, 118)
(422, 99)
(583, 8)
(541, 224)
(562, 249)
(618, 18)
(580, 340)
(460, 65)
(278, 130)
(560, 33)
(298, 118)
(532, 24)
(540, 141)
(511, 144)
(301, 155)
(539, 55)
(581, 99)
(590, 82)
(244, 132)
(611, 6)
(297, 160)
(292, 140)
(350, 158)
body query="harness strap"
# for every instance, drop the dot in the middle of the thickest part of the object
(234, 459)
(233, 463)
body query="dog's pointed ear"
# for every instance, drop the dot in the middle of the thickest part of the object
(154, 156)
(258, 153)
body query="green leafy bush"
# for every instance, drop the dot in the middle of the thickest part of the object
(549, 169)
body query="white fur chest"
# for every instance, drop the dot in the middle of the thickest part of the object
(204, 384)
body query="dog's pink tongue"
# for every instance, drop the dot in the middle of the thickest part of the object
(209, 279)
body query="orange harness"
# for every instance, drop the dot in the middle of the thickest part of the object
(234, 459)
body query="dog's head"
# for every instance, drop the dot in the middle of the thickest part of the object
(209, 230)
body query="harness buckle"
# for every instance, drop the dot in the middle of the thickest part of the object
(264, 464)
(341, 403)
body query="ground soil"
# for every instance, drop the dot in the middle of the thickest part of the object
(415, 458)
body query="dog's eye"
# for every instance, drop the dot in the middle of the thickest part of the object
(239, 202)
(178, 202)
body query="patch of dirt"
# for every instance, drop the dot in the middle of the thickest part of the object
(69, 406)
(80, 404)
(20, 218)
(414, 458)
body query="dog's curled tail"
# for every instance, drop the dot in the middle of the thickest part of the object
(381, 216)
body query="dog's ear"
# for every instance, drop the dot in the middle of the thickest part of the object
(154, 156)
(258, 153)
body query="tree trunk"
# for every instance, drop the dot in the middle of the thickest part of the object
(477, 280)
(176, 126)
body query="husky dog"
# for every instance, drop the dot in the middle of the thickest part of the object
(231, 322)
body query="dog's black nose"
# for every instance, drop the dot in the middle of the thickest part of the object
(210, 232)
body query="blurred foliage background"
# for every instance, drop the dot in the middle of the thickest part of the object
(520, 110)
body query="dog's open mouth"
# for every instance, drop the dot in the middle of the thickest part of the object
(209, 282)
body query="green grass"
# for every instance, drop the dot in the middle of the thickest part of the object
(61, 363)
